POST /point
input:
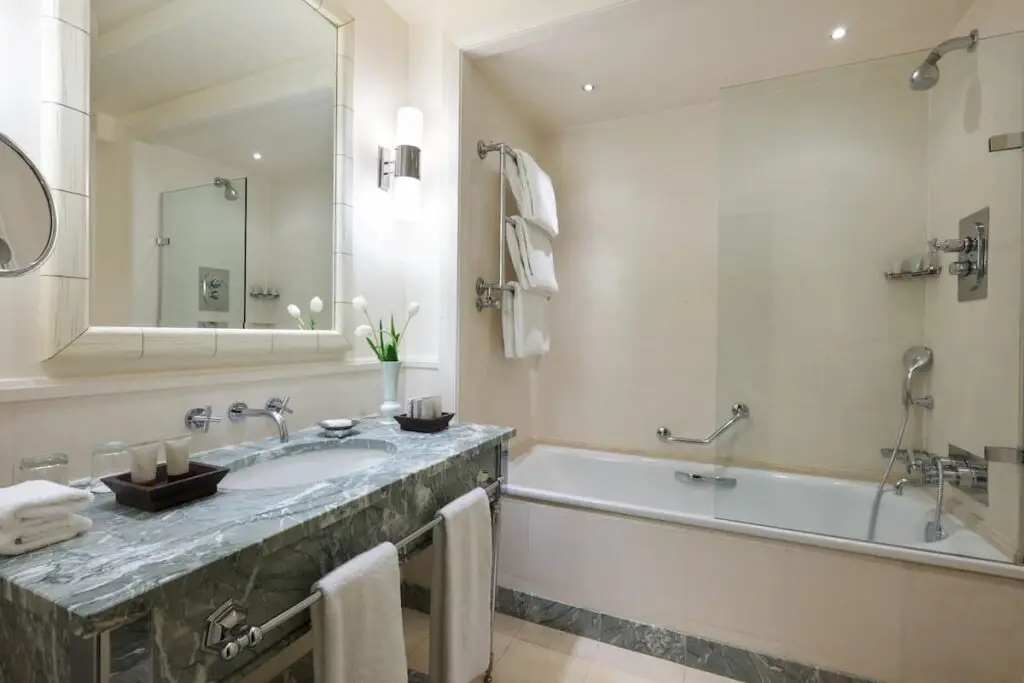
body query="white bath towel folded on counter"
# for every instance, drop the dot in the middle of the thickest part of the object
(461, 590)
(39, 500)
(524, 325)
(533, 191)
(532, 256)
(357, 625)
(16, 539)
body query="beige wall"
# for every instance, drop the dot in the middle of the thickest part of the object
(976, 379)
(634, 325)
(152, 407)
(492, 389)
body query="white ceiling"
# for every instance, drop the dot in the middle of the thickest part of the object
(292, 135)
(649, 55)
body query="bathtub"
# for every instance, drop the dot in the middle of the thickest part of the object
(805, 509)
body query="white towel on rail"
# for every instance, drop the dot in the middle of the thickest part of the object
(357, 625)
(461, 590)
(524, 323)
(39, 533)
(533, 190)
(532, 256)
(39, 499)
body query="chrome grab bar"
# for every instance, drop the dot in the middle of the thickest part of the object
(740, 411)
(705, 479)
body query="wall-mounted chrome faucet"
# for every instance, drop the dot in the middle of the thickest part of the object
(275, 410)
(972, 249)
(200, 419)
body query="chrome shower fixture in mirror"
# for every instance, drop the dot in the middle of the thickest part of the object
(926, 76)
(28, 220)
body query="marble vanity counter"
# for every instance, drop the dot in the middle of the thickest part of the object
(116, 572)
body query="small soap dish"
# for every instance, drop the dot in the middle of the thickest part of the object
(338, 428)
(200, 482)
(424, 426)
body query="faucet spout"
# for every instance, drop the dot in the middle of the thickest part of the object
(282, 426)
(239, 411)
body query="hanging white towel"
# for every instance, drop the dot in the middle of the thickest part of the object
(524, 323)
(39, 499)
(39, 533)
(532, 256)
(357, 625)
(461, 591)
(533, 190)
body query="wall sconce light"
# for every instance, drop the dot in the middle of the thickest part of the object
(399, 169)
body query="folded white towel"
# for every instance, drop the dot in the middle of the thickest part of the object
(461, 591)
(39, 499)
(36, 534)
(533, 190)
(524, 323)
(532, 256)
(357, 626)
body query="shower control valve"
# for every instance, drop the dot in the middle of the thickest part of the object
(963, 245)
(961, 268)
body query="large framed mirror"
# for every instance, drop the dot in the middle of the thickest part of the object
(199, 167)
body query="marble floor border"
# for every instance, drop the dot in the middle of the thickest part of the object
(692, 651)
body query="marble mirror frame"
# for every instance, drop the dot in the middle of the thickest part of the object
(68, 341)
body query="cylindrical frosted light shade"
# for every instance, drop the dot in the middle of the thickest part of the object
(406, 197)
(410, 127)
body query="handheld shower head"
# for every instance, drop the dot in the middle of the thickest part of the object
(916, 359)
(926, 76)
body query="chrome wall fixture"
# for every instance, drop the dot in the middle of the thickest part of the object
(740, 411)
(401, 162)
(485, 297)
(972, 249)
(398, 170)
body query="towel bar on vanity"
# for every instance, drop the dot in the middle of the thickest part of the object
(227, 634)
(485, 290)
(740, 411)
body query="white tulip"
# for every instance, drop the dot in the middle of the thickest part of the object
(316, 305)
(294, 311)
(414, 308)
(364, 331)
(359, 303)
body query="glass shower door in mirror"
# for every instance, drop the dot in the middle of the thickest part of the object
(843, 327)
(202, 255)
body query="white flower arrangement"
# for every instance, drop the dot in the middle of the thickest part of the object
(316, 305)
(384, 342)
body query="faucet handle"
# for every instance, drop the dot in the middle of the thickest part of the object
(279, 405)
(200, 419)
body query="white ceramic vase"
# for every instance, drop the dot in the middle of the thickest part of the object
(389, 372)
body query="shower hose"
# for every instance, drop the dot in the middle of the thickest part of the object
(888, 469)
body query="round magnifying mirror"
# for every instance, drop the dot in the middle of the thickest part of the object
(28, 221)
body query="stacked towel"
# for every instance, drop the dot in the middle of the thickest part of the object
(357, 626)
(533, 191)
(524, 323)
(530, 249)
(460, 650)
(35, 514)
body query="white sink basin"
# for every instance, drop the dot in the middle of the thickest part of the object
(310, 467)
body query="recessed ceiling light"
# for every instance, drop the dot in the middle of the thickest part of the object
(838, 33)
(588, 87)
(257, 156)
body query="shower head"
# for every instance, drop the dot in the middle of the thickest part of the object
(926, 76)
(916, 359)
(230, 193)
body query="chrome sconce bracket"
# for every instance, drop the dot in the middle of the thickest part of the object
(402, 162)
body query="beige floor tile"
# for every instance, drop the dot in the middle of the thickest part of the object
(419, 656)
(643, 667)
(697, 676)
(416, 627)
(559, 641)
(528, 663)
(507, 625)
(605, 674)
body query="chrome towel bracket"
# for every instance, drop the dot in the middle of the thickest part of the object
(740, 411)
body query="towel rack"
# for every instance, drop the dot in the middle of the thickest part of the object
(484, 290)
(226, 633)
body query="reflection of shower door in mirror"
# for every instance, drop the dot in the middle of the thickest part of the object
(202, 255)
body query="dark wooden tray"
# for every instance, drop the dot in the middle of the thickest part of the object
(414, 424)
(200, 482)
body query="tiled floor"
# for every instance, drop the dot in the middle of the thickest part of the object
(528, 653)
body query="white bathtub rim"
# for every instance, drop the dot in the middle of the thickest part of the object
(1005, 570)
